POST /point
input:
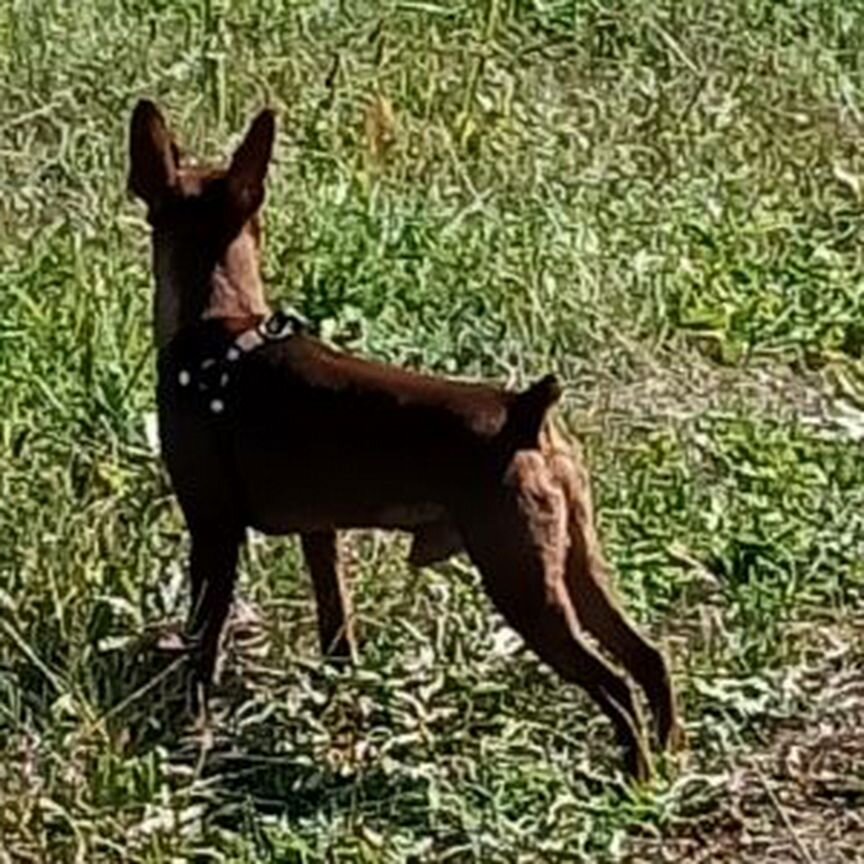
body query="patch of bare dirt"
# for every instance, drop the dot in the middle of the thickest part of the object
(797, 793)
(665, 389)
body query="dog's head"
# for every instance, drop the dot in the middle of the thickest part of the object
(206, 235)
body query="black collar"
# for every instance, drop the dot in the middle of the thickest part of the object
(203, 363)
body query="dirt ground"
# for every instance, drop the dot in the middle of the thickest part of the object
(793, 793)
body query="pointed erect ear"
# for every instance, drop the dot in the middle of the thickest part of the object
(249, 165)
(152, 154)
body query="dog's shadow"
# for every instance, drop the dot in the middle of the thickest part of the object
(290, 741)
(139, 685)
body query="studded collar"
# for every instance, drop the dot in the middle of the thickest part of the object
(208, 373)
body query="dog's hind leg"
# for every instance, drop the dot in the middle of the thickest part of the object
(335, 624)
(213, 566)
(519, 542)
(599, 612)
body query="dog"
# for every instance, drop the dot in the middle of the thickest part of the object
(264, 426)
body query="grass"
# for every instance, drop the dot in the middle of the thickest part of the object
(660, 201)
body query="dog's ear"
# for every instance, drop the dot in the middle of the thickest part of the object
(152, 154)
(249, 164)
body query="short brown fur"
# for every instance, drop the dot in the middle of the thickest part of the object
(318, 440)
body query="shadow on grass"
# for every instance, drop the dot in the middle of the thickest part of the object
(140, 688)
(284, 743)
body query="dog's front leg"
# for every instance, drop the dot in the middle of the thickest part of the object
(213, 567)
(333, 601)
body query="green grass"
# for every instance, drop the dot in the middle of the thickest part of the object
(661, 201)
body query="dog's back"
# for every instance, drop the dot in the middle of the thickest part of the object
(301, 433)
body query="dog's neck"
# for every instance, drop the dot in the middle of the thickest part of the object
(236, 289)
(232, 290)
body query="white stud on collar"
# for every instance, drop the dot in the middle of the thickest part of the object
(217, 406)
(233, 354)
(184, 378)
(249, 341)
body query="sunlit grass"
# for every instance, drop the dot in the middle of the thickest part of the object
(660, 201)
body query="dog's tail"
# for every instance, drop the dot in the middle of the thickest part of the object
(521, 430)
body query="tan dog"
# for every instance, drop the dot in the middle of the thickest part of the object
(263, 426)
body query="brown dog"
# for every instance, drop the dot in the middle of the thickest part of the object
(263, 426)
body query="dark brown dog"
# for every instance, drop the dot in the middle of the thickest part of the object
(279, 432)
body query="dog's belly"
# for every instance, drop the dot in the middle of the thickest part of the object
(297, 516)
(289, 495)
